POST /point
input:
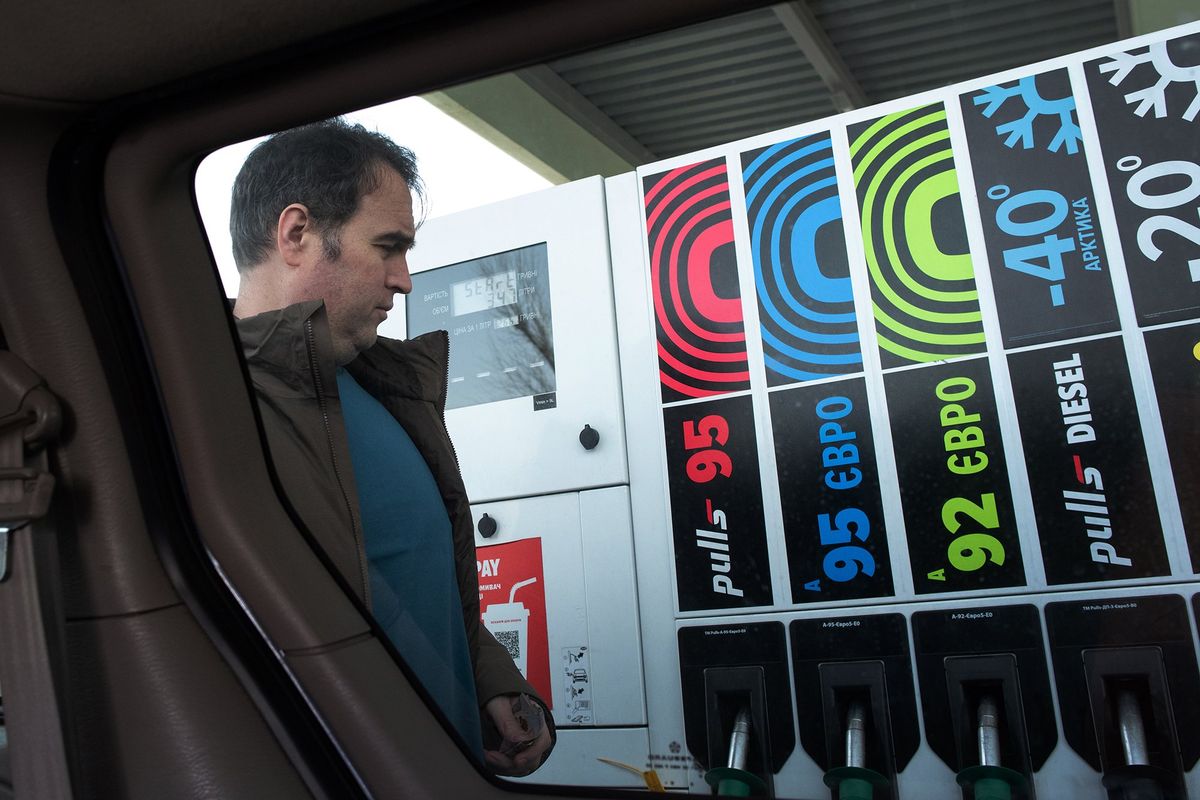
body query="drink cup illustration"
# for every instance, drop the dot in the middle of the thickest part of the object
(509, 623)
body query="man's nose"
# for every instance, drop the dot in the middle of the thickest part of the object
(398, 278)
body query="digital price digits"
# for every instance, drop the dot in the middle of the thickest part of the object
(1137, 189)
(839, 455)
(484, 292)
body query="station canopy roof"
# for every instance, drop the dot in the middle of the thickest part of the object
(776, 66)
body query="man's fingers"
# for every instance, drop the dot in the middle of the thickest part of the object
(521, 763)
(503, 765)
(498, 761)
(530, 758)
(501, 711)
(526, 763)
(522, 745)
(508, 725)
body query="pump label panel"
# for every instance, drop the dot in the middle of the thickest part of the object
(721, 558)
(577, 686)
(801, 270)
(1174, 355)
(694, 282)
(926, 306)
(954, 488)
(829, 486)
(1048, 264)
(1146, 101)
(1088, 473)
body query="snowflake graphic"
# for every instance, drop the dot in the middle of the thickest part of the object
(1154, 96)
(1020, 130)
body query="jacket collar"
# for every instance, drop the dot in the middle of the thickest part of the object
(293, 348)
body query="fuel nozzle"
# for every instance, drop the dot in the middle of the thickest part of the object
(1134, 716)
(1131, 729)
(739, 740)
(855, 781)
(989, 733)
(1137, 779)
(856, 735)
(733, 780)
(989, 779)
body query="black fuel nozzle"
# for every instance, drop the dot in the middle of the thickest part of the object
(1137, 778)
(1132, 729)
(1135, 724)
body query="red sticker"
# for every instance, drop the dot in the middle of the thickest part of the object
(512, 605)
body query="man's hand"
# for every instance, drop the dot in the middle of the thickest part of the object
(522, 744)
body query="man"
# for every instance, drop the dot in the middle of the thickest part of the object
(322, 221)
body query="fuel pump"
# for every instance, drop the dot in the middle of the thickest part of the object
(877, 425)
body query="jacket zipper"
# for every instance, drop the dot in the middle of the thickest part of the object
(359, 548)
(442, 401)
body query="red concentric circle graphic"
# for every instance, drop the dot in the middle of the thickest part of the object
(697, 302)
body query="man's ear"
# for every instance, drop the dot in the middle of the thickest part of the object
(294, 234)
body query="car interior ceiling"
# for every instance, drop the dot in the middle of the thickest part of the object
(173, 679)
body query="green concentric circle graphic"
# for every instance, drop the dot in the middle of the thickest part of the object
(922, 281)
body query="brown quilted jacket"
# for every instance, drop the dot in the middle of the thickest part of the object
(291, 363)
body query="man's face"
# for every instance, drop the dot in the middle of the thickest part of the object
(359, 286)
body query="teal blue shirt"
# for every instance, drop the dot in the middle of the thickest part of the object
(414, 591)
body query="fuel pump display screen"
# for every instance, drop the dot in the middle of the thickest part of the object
(492, 291)
(497, 312)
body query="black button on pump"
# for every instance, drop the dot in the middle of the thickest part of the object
(487, 527)
(589, 437)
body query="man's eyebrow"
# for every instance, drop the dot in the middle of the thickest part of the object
(397, 238)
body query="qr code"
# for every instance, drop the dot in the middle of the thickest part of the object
(511, 641)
